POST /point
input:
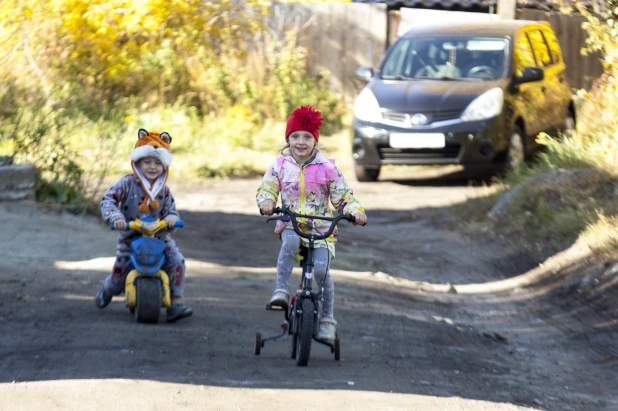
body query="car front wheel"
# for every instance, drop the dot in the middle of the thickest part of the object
(569, 124)
(364, 174)
(517, 153)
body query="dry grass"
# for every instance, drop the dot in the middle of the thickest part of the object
(548, 217)
(602, 236)
(554, 215)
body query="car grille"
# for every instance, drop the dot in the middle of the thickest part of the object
(432, 116)
(389, 153)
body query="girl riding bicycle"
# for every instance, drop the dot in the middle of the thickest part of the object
(307, 180)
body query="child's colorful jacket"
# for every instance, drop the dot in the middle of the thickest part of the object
(123, 200)
(307, 190)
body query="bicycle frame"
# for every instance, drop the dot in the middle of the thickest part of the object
(291, 216)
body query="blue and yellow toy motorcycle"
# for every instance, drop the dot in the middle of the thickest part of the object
(147, 287)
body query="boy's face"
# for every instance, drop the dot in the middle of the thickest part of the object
(150, 167)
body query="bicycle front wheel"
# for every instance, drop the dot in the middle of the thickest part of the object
(304, 330)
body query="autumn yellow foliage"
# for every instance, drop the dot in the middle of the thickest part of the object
(113, 49)
(79, 77)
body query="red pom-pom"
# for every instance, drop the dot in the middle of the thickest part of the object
(308, 117)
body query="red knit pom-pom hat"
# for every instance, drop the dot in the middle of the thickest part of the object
(304, 118)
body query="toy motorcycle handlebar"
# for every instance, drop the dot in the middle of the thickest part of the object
(134, 225)
(291, 216)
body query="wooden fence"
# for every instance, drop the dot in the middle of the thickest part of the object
(340, 37)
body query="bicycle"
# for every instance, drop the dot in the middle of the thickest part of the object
(302, 313)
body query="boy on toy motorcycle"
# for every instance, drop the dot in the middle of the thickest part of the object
(144, 193)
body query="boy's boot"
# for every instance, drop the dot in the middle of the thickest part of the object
(177, 311)
(103, 297)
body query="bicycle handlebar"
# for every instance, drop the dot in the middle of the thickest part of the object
(292, 217)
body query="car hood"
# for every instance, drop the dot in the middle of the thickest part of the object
(429, 95)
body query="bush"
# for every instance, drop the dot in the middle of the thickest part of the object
(80, 77)
(38, 137)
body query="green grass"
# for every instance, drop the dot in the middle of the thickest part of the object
(229, 146)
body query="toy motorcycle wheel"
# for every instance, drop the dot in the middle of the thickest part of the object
(337, 349)
(148, 305)
(258, 343)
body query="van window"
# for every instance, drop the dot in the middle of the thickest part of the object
(554, 45)
(541, 51)
(524, 57)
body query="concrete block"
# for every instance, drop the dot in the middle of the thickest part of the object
(17, 182)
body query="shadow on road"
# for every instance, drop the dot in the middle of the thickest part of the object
(435, 177)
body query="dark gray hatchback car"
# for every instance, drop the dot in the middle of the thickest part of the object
(474, 94)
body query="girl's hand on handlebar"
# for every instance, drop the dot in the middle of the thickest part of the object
(171, 221)
(120, 224)
(267, 207)
(360, 219)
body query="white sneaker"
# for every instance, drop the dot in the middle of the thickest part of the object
(279, 298)
(327, 331)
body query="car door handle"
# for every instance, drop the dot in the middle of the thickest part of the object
(543, 89)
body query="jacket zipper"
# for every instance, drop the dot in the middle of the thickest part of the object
(302, 190)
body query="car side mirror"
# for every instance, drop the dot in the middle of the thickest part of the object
(530, 75)
(364, 73)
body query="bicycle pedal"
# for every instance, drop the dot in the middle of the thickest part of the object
(276, 307)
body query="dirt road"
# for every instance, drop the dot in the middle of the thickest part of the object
(408, 341)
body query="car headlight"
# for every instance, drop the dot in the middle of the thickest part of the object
(366, 107)
(487, 105)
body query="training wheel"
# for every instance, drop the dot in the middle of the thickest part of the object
(337, 349)
(258, 343)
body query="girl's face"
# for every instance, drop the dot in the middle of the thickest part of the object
(302, 144)
(151, 168)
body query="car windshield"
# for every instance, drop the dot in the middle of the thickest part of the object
(472, 58)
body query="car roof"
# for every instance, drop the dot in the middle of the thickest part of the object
(485, 28)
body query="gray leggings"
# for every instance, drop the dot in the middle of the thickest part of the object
(321, 259)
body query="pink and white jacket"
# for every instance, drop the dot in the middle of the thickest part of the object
(308, 190)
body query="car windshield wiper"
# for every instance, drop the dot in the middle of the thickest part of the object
(443, 78)
(397, 77)
(446, 78)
